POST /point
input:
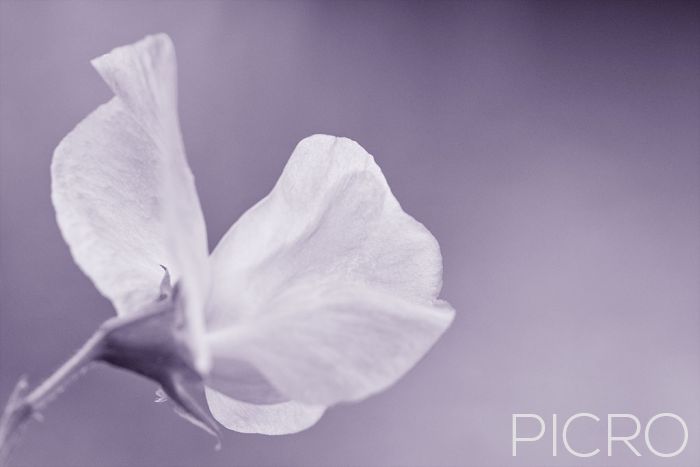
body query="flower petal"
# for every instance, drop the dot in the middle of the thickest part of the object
(124, 195)
(272, 419)
(323, 343)
(331, 215)
(326, 286)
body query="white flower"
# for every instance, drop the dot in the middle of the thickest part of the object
(325, 291)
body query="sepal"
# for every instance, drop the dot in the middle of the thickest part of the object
(152, 344)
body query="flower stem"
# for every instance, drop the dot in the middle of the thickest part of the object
(22, 406)
(148, 342)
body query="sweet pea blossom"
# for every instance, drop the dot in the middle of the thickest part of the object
(325, 291)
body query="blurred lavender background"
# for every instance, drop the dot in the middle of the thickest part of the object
(553, 148)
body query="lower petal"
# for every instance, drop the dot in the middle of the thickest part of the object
(271, 419)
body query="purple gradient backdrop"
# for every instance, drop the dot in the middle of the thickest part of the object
(552, 148)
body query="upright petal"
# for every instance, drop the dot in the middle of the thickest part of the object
(326, 286)
(269, 419)
(124, 195)
(330, 215)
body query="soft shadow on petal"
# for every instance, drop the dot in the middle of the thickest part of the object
(323, 343)
(124, 195)
(242, 381)
(272, 419)
(331, 215)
